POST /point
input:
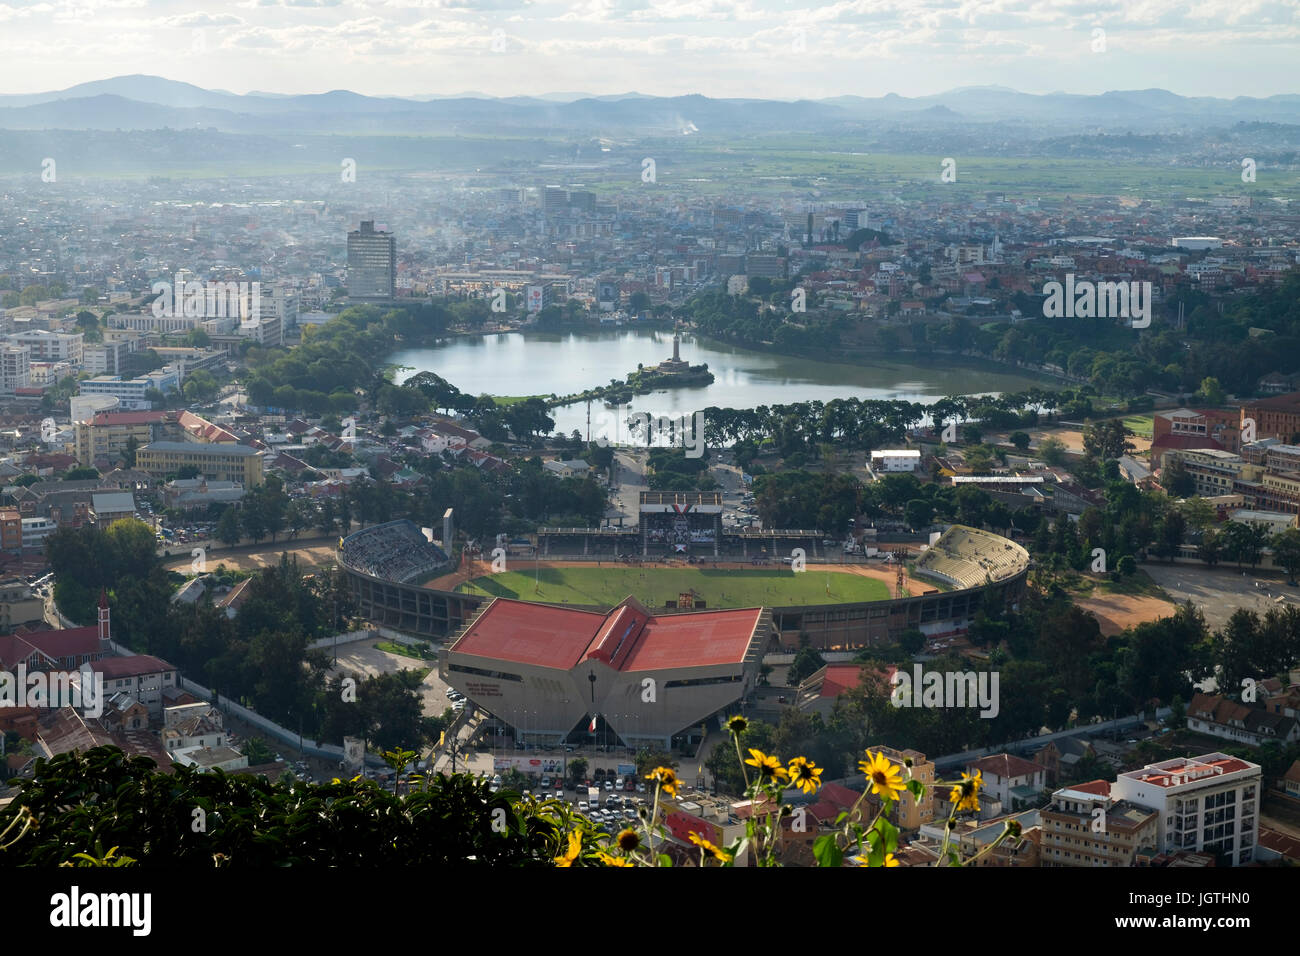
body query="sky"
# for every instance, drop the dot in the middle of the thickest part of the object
(778, 49)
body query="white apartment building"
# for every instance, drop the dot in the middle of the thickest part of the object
(130, 392)
(48, 346)
(36, 530)
(15, 368)
(1207, 804)
(898, 459)
(105, 358)
(280, 303)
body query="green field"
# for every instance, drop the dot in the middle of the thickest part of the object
(606, 586)
(1140, 425)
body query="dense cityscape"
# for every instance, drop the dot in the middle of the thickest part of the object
(651, 480)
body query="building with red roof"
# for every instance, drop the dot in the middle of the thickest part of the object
(1205, 804)
(1014, 781)
(554, 672)
(66, 649)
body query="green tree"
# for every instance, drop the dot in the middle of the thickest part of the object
(1211, 392)
(228, 530)
(257, 752)
(1052, 450)
(1286, 552)
(806, 662)
(577, 769)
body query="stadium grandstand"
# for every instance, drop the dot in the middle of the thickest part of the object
(680, 522)
(969, 558)
(385, 565)
(395, 551)
(587, 542)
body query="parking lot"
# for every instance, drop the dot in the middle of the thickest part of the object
(1220, 591)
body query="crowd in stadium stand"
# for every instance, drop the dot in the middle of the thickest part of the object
(396, 551)
(969, 558)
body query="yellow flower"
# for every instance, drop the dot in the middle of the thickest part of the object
(965, 793)
(717, 853)
(737, 725)
(609, 860)
(628, 840)
(885, 779)
(890, 860)
(805, 775)
(575, 847)
(666, 778)
(769, 767)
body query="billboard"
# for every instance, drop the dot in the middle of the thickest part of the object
(529, 764)
(536, 296)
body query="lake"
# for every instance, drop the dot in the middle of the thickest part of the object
(537, 363)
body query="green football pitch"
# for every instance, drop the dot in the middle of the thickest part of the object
(718, 588)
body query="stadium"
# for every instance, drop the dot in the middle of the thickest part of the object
(400, 579)
(608, 644)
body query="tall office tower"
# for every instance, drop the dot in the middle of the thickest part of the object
(555, 201)
(372, 263)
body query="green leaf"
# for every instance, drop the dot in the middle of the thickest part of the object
(890, 834)
(827, 851)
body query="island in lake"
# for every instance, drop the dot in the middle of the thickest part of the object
(670, 373)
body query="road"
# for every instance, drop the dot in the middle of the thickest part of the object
(630, 481)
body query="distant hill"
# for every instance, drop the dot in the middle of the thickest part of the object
(140, 102)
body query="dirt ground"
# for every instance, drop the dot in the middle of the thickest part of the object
(1072, 438)
(881, 572)
(1115, 612)
(311, 554)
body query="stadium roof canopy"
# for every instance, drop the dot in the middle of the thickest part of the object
(626, 638)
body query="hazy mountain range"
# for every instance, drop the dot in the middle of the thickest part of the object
(148, 102)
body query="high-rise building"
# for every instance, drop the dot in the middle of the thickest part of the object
(581, 200)
(372, 263)
(15, 368)
(555, 200)
(1205, 804)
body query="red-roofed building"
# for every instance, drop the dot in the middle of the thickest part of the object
(1205, 804)
(1196, 428)
(1276, 845)
(549, 671)
(142, 676)
(1085, 826)
(819, 690)
(57, 650)
(1014, 781)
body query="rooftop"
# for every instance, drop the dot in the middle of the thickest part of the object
(1184, 770)
(627, 638)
